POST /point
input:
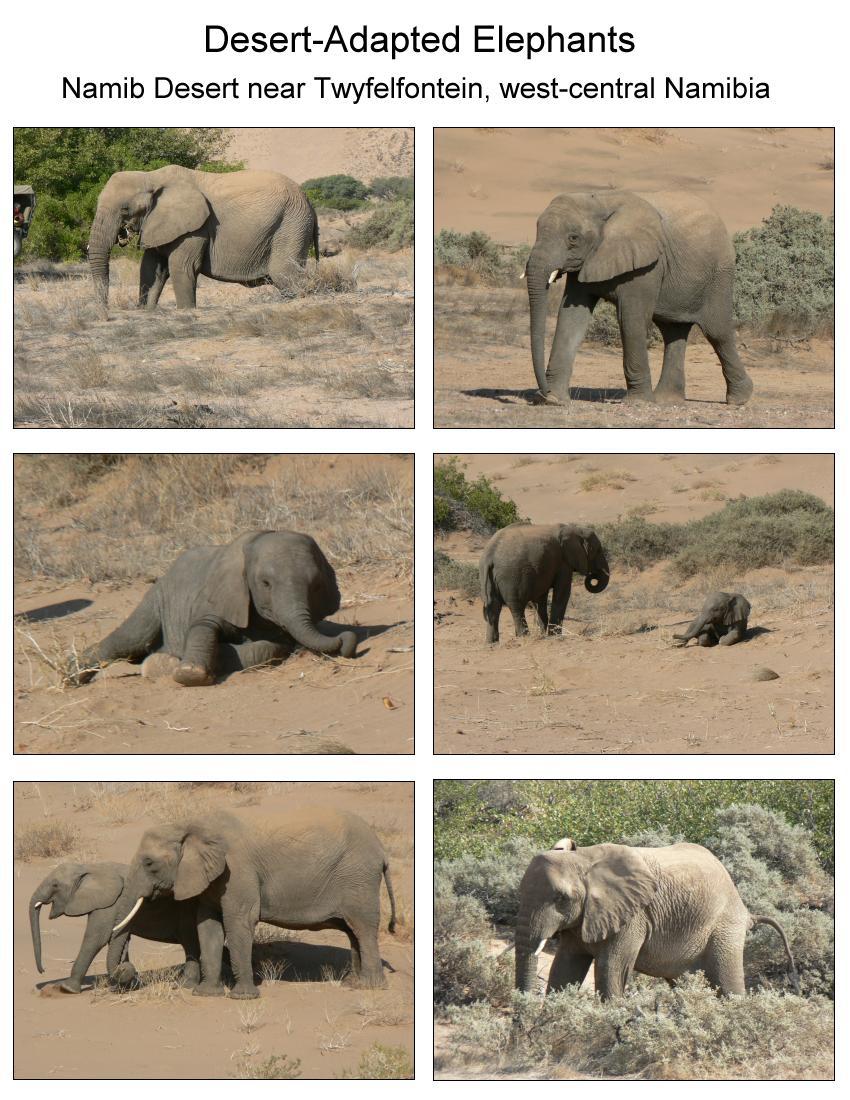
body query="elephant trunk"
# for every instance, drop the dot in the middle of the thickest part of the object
(531, 936)
(539, 270)
(598, 575)
(36, 901)
(302, 628)
(104, 233)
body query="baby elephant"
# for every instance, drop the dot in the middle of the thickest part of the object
(522, 563)
(219, 609)
(96, 890)
(722, 621)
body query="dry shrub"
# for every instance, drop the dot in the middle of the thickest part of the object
(45, 840)
(382, 1063)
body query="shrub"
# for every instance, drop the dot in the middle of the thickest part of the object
(492, 878)
(449, 573)
(471, 251)
(785, 270)
(465, 970)
(277, 1067)
(475, 505)
(383, 1063)
(390, 228)
(45, 839)
(391, 188)
(339, 192)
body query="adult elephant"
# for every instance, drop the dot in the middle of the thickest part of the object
(658, 911)
(312, 869)
(722, 621)
(222, 608)
(238, 227)
(523, 563)
(663, 257)
(97, 891)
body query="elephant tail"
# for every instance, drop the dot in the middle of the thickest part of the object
(795, 977)
(389, 882)
(316, 236)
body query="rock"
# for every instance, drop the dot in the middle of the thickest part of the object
(764, 674)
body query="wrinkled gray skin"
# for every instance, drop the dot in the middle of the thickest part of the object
(658, 911)
(97, 890)
(237, 227)
(722, 621)
(222, 608)
(523, 563)
(312, 869)
(663, 257)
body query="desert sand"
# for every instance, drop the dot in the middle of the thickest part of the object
(162, 1031)
(305, 152)
(500, 180)
(613, 682)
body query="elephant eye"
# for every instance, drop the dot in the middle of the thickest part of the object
(573, 238)
(266, 584)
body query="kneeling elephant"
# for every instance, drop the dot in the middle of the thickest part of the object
(722, 621)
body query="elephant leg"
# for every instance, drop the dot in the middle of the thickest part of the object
(211, 942)
(707, 639)
(634, 317)
(560, 599)
(568, 968)
(520, 625)
(239, 928)
(118, 966)
(365, 931)
(184, 265)
(187, 930)
(734, 634)
(200, 651)
(153, 275)
(492, 611)
(616, 962)
(724, 964)
(542, 608)
(133, 640)
(236, 658)
(573, 319)
(739, 386)
(671, 384)
(98, 927)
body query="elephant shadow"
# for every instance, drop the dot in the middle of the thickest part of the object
(295, 961)
(52, 611)
(598, 394)
(755, 632)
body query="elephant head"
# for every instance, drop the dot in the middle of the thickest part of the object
(601, 237)
(179, 859)
(74, 890)
(160, 208)
(592, 892)
(289, 581)
(583, 550)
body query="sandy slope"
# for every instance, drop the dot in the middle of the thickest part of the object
(613, 682)
(305, 1014)
(304, 152)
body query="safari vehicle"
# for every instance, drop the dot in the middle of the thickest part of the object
(24, 207)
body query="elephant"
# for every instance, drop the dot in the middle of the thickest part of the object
(97, 891)
(722, 621)
(658, 911)
(664, 257)
(223, 608)
(521, 564)
(310, 869)
(245, 227)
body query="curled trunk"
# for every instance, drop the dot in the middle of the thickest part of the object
(302, 628)
(597, 581)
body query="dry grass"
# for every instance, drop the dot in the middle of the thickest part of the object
(46, 840)
(607, 479)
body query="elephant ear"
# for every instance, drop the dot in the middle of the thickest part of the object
(737, 609)
(574, 545)
(631, 240)
(202, 860)
(225, 592)
(96, 889)
(618, 884)
(178, 208)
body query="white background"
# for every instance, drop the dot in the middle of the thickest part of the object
(800, 49)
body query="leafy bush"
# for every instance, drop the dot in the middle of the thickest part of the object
(785, 272)
(68, 166)
(392, 187)
(449, 573)
(475, 505)
(472, 251)
(390, 228)
(339, 192)
(465, 969)
(491, 878)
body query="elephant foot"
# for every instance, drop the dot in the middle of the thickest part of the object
(550, 398)
(638, 396)
(124, 975)
(71, 985)
(191, 675)
(208, 989)
(190, 976)
(159, 665)
(365, 981)
(740, 394)
(243, 992)
(669, 397)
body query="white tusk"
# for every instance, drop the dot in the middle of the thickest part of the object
(38, 905)
(522, 276)
(554, 276)
(129, 917)
(539, 950)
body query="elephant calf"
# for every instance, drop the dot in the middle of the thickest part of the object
(722, 621)
(97, 891)
(523, 563)
(223, 608)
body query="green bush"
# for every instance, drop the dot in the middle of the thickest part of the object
(449, 573)
(785, 272)
(338, 192)
(471, 251)
(382, 1063)
(390, 227)
(391, 188)
(68, 166)
(465, 969)
(473, 505)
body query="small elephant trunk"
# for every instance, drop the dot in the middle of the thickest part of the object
(596, 582)
(36, 902)
(302, 628)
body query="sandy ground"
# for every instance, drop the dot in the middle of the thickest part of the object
(305, 152)
(161, 1031)
(613, 683)
(308, 704)
(499, 181)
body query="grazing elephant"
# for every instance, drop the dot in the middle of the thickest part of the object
(658, 911)
(96, 890)
(220, 608)
(522, 563)
(663, 257)
(237, 227)
(722, 621)
(312, 869)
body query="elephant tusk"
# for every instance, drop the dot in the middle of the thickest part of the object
(554, 276)
(522, 276)
(128, 918)
(38, 905)
(542, 944)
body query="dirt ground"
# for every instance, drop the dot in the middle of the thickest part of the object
(338, 355)
(499, 181)
(308, 704)
(613, 683)
(162, 1031)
